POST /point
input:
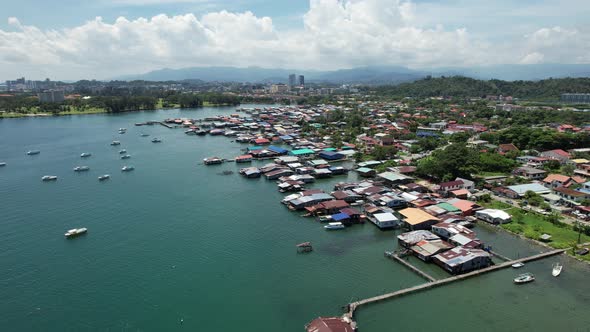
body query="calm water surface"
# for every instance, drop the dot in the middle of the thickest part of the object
(174, 240)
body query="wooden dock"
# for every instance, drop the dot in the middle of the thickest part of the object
(355, 305)
(416, 270)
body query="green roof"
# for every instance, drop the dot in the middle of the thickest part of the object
(329, 149)
(364, 170)
(301, 152)
(447, 207)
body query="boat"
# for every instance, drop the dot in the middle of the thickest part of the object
(81, 168)
(113, 143)
(2, 164)
(156, 140)
(126, 156)
(213, 161)
(524, 278)
(33, 152)
(49, 178)
(85, 155)
(324, 218)
(75, 232)
(517, 265)
(145, 135)
(304, 247)
(582, 252)
(122, 151)
(556, 269)
(104, 177)
(334, 226)
(127, 168)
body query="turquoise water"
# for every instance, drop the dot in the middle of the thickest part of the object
(174, 246)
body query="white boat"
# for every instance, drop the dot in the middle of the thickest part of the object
(524, 278)
(334, 226)
(104, 177)
(2, 164)
(127, 168)
(556, 269)
(122, 151)
(145, 135)
(75, 232)
(85, 155)
(114, 143)
(33, 152)
(517, 265)
(126, 156)
(81, 168)
(156, 140)
(122, 129)
(49, 178)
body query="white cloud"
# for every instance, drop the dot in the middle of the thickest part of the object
(335, 34)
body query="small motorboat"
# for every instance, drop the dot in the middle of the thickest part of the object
(334, 226)
(115, 143)
(49, 178)
(75, 232)
(324, 218)
(127, 168)
(582, 252)
(2, 164)
(104, 177)
(126, 156)
(81, 168)
(524, 278)
(122, 151)
(556, 269)
(145, 135)
(33, 152)
(85, 155)
(156, 140)
(517, 265)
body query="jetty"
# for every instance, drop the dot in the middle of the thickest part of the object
(407, 264)
(351, 307)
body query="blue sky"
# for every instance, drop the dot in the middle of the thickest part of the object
(65, 39)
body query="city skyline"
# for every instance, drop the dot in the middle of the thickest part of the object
(112, 38)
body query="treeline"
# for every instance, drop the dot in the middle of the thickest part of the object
(459, 86)
(538, 138)
(191, 100)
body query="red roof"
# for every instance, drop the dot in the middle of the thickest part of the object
(328, 324)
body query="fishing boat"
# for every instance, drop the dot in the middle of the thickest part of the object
(49, 178)
(213, 161)
(33, 152)
(122, 151)
(524, 278)
(334, 226)
(517, 265)
(75, 232)
(304, 247)
(556, 269)
(127, 168)
(85, 155)
(114, 143)
(104, 177)
(81, 168)
(156, 140)
(126, 156)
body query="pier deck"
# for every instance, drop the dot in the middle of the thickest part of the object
(354, 305)
(421, 273)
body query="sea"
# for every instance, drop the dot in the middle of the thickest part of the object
(177, 246)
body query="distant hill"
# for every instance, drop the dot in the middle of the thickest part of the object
(460, 86)
(371, 75)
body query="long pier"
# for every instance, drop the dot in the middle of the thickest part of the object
(419, 272)
(349, 315)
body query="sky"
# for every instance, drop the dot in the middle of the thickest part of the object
(102, 39)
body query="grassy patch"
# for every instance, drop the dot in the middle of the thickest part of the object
(83, 110)
(486, 174)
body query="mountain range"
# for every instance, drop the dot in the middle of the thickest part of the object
(377, 75)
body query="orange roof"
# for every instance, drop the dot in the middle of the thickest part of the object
(460, 192)
(556, 177)
(463, 205)
(415, 216)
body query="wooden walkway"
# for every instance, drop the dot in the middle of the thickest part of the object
(354, 305)
(421, 273)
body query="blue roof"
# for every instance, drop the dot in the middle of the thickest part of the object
(286, 137)
(277, 149)
(340, 216)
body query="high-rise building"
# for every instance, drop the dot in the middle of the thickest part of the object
(292, 80)
(52, 96)
(301, 80)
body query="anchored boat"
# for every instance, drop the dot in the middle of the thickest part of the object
(49, 178)
(127, 168)
(556, 269)
(334, 226)
(524, 278)
(114, 143)
(85, 155)
(75, 232)
(104, 177)
(81, 168)
(33, 152)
